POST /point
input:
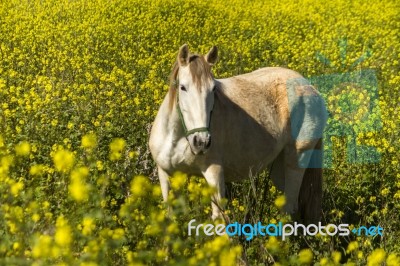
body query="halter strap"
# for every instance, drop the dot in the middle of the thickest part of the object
(189, 132)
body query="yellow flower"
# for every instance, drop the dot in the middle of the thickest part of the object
(36, 169)
(324, 261)
(78, 191)
(100, 165)
(45, 204)
(35, 217)
(360, 255)
(139, 186)
(178, 181)
(63, 235)
(367, 242)
(352, 246)
(89, 141)
(42, 247)
(376, 257)
(12, 227)
(16, 188)
(63, 160)
(336, 256)
(372, 199)
(392, 260)
(385, 192)
(16, 245)
(305, 256)
(173, 228)
(118, 234)
(229, 257)
(280, 201)
(6, 162)
(235, 203)
(116, 148)
(23, 148)
(272, 244)
(161, 255)
(78, 188)
(156, 191)
(79, 174)
(117, 145)
(88, 225)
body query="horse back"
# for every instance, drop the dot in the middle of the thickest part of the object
(253, 118)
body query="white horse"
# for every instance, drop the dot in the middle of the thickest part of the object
(224, 128)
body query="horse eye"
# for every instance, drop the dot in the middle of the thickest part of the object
(183, 88)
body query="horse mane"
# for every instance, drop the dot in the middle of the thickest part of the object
(198, 68)
(172, 85)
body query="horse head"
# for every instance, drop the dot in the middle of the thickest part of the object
(194, 87)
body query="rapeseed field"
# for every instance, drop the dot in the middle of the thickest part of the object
(81, 82)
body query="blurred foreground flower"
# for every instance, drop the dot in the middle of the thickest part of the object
(63, 236)
(78, 188)
(63, 160)
(116, 148)
(23, 148)
(280, 201)
(89, 141)
(305, 256)
(376, 257)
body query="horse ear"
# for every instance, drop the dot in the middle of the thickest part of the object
(212, 55)
(183, 55)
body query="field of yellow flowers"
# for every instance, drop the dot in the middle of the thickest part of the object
(81, 82)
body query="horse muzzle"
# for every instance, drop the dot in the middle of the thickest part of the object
(199, 142)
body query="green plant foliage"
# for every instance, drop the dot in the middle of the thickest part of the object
(81, 82)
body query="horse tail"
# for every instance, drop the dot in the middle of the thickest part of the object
(310, 196)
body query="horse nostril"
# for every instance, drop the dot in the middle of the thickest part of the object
(195, 140)
(201, 143)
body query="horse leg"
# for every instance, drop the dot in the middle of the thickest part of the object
(293, 179)
(297, 159)
(310, 197)
(214, 175)
(278, 171)
(165, 185)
